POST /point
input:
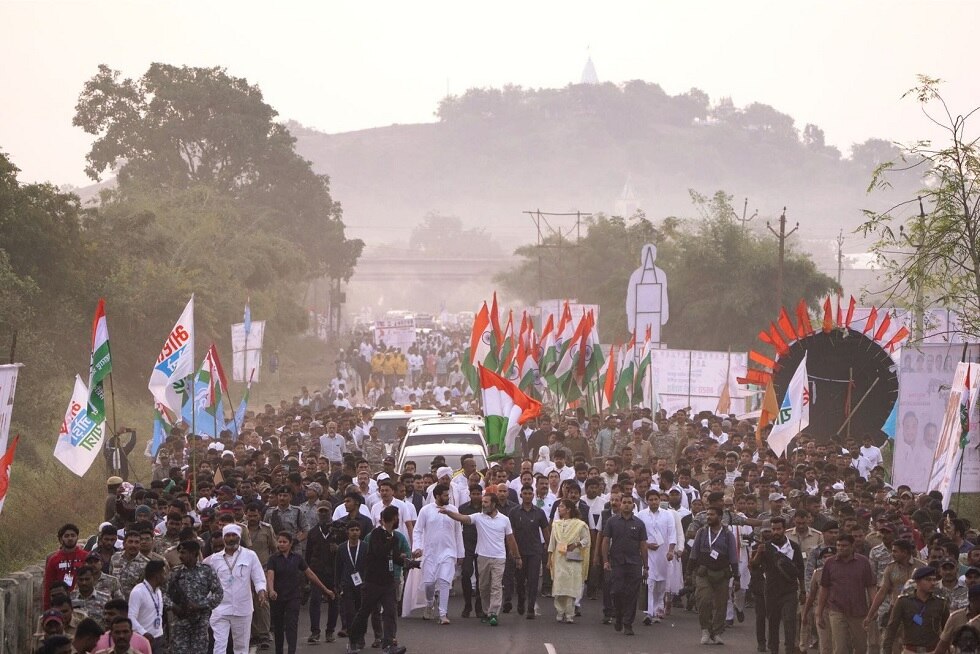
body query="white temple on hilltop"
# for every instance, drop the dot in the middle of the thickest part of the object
(627, 203)
(589, 75)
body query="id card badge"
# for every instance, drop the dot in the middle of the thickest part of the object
(917, 619)
(391, 565)
(355, 579)
(156, 623)
(714, 554)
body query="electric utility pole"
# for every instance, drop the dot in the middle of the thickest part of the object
(782, 235)
(840, 255)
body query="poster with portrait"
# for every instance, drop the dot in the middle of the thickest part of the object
(945, 471)
(924, 384)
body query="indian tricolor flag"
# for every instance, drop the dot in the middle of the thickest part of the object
(505, 409)
(100, 365)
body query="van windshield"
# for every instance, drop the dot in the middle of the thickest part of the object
(428, 439)
(423, 462)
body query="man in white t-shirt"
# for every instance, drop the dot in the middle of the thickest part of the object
(406, 510)
(871, 453)
(493, 533)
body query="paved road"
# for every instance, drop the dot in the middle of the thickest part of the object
(678, 634)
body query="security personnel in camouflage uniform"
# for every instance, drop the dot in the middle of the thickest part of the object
(129, 565)
(728, 518)
(374, 450)
(665, 441)
(194, 591)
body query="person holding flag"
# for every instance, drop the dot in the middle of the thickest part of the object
(506, 408)
(175, 362)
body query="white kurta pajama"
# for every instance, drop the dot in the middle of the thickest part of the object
(441, 540)
(661, 530)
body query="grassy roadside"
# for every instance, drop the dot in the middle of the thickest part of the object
(44, 495)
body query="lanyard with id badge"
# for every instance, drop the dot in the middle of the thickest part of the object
(711, 543)
(157, 622)
(355, 576)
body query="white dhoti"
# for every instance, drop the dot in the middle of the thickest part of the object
(441, 540)
(661, 531)
(237, 626)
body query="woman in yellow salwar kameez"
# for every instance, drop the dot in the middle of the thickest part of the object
(568, 559)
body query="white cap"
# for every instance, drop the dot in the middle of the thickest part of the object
(444, 471)
(231, 529)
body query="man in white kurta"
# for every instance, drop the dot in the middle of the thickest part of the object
(439, 541)
(661, 542)
(238, 570)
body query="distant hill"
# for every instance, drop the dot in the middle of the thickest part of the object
(496, 152)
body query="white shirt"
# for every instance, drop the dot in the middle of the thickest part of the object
(438, 536)
(567, 472)
(237, 574)
(341, 512)
(146, 610)
(542, 467)
(332, 447)
(491, 534)
(406, 514)
(873, 454)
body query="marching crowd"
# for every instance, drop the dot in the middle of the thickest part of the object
(645, 513)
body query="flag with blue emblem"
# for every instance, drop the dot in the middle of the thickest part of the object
(175, 362)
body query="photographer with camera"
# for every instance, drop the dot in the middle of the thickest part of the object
(387, 551)
(781, 561)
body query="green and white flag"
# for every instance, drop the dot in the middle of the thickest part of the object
(100, 365)
(505, 409)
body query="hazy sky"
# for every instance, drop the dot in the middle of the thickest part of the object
(340, 66)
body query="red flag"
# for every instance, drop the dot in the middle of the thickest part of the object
(897, 338)
(840, 317)
(803, 314)
(828, 316)
(850, 312)
(786, 325)
(762, 360)
(5, 462)
(777, 340)
(765, 338)
(757, 377)
(883, 327)
(872, 319)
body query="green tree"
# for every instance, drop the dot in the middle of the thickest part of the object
(437, 234)
(719, 274)
(180, 128)
(938, 256)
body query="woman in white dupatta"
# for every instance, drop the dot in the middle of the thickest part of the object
(568, 559)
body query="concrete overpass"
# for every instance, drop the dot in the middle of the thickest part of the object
(401, 267)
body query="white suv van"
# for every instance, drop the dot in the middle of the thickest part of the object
(423, 455)
(446, 429)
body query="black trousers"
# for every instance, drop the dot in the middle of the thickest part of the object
(285, 622)
(526, 580)
(759, 593)
(373, 596)
(624, 585)
(510, 574)
(781, 606)
(469, 567)
(350, 604)
(316, 602)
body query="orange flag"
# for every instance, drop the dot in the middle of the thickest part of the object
(768, 413)
(5, 462)
(610, 386)
(828, 316)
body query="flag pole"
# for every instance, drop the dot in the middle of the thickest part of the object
(193, 433)
(112, 397)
